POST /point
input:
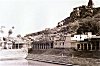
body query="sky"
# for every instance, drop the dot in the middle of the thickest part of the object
(29, 16)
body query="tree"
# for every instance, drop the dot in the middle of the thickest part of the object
(18, 35)
(88, 25)
(10, 31)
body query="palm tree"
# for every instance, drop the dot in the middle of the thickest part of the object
(10, 31)
(1, 29)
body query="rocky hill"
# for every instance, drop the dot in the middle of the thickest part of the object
(82, 19)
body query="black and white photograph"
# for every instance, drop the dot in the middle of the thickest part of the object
(49, 33)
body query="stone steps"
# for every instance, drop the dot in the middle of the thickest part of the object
(53, 62)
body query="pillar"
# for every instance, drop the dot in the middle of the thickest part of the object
(90, 46)
(33, 47)
(49, 45)
(40, 46)
(94, 46)
(45, 46)
(80, 47)
(87, 46)
(36, 46)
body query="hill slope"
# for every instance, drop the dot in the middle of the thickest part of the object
(82, 19)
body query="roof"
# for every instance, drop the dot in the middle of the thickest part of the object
(95, 37)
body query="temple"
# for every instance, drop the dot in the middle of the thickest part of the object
(90, 3)
(82, 11)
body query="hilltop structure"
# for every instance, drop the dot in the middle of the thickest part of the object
(80, 12)
(90, 3)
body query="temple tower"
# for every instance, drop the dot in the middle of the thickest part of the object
(90, 3)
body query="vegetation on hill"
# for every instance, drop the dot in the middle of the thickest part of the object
(82, 19)
(82, 24)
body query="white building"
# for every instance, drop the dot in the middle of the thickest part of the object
(86, 42)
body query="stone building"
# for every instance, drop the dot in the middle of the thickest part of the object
(62, 41)
(42, 44)
(59, 42)
(43, 41)
(49, 41)
(86, 42)
(82, 11)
